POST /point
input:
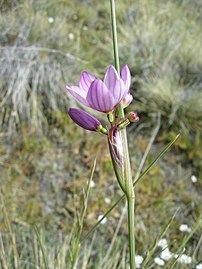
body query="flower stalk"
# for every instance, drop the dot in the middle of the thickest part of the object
(129, 191)
(110, 96)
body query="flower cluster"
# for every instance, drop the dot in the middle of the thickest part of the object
(103, 96)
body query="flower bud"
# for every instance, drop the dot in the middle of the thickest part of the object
(127, 100)
(85, 120)
(133, 116)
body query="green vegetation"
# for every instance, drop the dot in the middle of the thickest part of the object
(45, 160)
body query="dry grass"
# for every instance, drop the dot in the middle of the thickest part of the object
(45, 160)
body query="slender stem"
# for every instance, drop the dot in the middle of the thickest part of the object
(127, 173)
(114, 33)
(116, 50)
(131, 217)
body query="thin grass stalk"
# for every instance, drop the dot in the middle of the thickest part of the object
(120, 113)
(44, 257)
(180, 250)
(152, 250)
(3, 255)
(11, 233)
(80, 220)
(167, 147)
(112, 245)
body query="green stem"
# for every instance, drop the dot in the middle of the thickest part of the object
(127, 173)
(114, 34)
(131, 217)
(116, 50)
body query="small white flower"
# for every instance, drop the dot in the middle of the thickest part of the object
(138, 260)
(185, 228)
(199, 266)
(50, 20)
(166, 254)
(103, 221)
(92, 184)
(159, 261)
(163, 243)
(85, 28)
(193, 178)
(185, 259)
(107, 200)
(71, 36)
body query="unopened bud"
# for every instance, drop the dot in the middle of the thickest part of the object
(101, 129)
(84, 119)
(127, 100)
(133, 116)
(122, 124)
(110, 116)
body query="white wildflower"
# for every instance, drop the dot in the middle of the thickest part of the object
(166, 254)
(71, 36)
(185, 228)
(163, 243)
(85, 28)
(193, 178)
(199, 266)
(92, 184)
(51, 20)
(104, 220)
(138, 260)
(159, 261)
(185, 259)
(107, 200)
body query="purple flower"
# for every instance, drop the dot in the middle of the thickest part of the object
(84, 119)
(103, 96)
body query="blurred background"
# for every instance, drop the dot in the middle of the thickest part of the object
(45, 159)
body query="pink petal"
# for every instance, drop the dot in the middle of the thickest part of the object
(99, 97)
(119, 91)
(77, 93)
(114, 84)
(126, 77)
(85, 80)
(111, 76)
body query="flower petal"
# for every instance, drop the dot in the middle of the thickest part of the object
(84, 119)
(99, 97)
(78, 94)
(115, 85)
(85, 80)
(119, 91)
(111, 76)
(126, 77)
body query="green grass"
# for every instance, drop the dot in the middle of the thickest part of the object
(160, 40)
(45, 160)
(42, 186)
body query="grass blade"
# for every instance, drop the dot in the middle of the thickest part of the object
(151, 252)
(134, 184)
(11, 233)
(184, 242)
(75, 246)
(41, 246)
